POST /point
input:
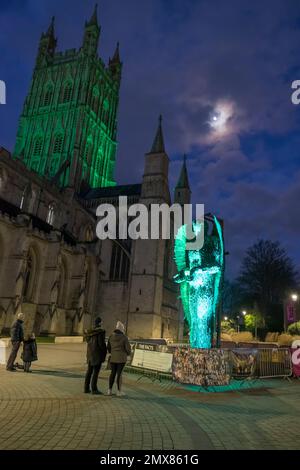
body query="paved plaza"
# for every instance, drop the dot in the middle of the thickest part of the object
(47, 410)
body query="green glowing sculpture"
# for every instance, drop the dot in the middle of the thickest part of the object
(200, 274)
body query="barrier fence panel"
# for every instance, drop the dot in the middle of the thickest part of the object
(274, 362)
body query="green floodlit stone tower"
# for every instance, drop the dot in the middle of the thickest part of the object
(200, 275)
(68, 126)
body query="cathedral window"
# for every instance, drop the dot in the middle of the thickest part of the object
(27, 199)
(48, 95)
(58, 144)
(37, 146)
(119, 265)
(62, 284)
(67, 93)
(50, 215)
(3, 178)
(30, 276)
(89, 234)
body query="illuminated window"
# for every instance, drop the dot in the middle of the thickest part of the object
(48, 95)
(58, 144)
(67, 93)
(37, 146)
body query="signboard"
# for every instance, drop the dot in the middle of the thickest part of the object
(205, 367)
(243, 362)
(290, 312)
(152, 357)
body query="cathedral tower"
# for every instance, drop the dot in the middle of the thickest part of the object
(68, 126)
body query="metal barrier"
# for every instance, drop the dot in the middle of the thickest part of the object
(274, 362)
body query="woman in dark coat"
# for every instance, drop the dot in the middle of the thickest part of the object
(29, 353)
(119, 348)
(96, 353)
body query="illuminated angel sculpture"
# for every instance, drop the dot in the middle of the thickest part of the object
(200, 274)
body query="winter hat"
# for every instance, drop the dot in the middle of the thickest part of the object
(98, 322)
(120, 326)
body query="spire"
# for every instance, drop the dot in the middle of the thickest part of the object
(116, 56)
(50, 31)
(183, 181)
(94, 19)
(158, 145)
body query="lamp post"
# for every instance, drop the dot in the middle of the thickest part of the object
(289, 309)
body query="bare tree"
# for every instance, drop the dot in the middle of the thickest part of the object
(267, 274)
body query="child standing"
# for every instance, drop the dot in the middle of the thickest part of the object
(29, 352)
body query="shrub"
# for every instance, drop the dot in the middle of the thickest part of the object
(226, 337)
(285, 339)
(243, 336)
(271, 337)
(294, 328)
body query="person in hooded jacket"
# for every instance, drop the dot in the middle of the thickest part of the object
(119, 348)
(96, 353)
(29, 353)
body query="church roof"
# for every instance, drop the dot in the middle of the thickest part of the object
(113, 191)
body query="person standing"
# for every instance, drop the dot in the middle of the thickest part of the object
(96, 353)
(119, 348)
(29, 353)
(17, 336)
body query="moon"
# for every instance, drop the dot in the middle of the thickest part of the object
(220, 117)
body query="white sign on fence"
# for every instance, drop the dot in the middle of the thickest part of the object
(148, 357)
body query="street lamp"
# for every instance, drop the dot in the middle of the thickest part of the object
(225, 318)
(289, 310)
(244, 312)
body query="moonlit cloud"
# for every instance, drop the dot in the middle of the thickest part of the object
(220, 118)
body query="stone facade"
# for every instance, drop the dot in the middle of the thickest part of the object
(52, 265)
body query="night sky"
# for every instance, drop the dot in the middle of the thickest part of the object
(192, 61)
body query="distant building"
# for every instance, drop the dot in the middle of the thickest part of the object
(52, 266)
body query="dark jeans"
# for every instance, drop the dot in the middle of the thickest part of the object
(116, 370)
(13, 354)
(92, 373)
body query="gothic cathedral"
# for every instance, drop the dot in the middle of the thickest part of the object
(52, 265)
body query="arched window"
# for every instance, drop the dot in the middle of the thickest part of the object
(30, 276)
(89, 234)
(67, 92)
(119, 265)
(47, 98)
(95, 99)
(63, 279)
(51, 214)
(105, 111)
(37, 146)
(28, 199)
(58, 144)
(3, 179)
